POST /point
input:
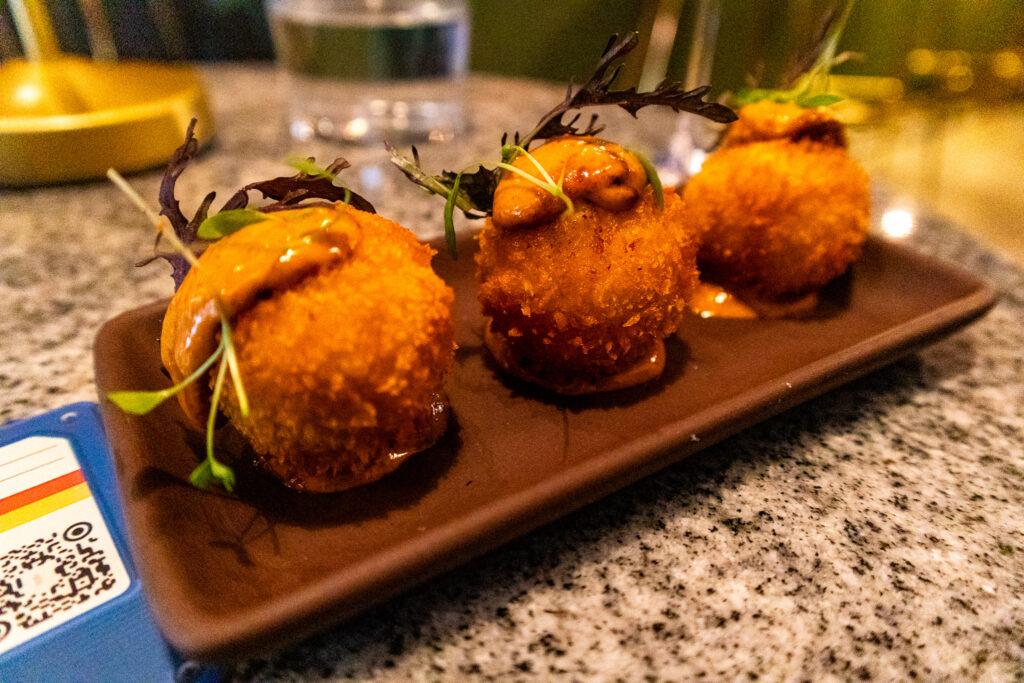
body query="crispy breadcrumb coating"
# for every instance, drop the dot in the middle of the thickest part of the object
(344, 356)
(779, 217)
(587, 295)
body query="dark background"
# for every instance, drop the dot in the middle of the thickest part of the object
(552, 39)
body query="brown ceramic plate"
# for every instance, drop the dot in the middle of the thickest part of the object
(231, 576)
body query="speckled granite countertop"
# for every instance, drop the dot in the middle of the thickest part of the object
(873, 533)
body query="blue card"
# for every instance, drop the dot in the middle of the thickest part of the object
(71, 606)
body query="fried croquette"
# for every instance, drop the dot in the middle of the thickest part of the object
(781, 209)
(344, 337)
(581, 303)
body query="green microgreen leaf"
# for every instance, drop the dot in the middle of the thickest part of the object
(810, 89)
(227, 342)
(509, 152)
(449, 217)
(652, 177)
(751, 95)
(227, 222)
(309, 167)
(212, 470)
(141, 402)
(822, 100)
(202, 476)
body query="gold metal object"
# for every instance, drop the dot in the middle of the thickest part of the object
(66, 118)
(71, 119)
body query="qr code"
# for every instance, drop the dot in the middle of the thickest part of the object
(52, 575)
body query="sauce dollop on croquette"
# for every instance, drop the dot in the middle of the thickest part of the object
(767, 120)
(594, 170)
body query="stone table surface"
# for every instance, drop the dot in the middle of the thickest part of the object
(872, 533)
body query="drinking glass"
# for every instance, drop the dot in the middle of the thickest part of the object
(368, 70)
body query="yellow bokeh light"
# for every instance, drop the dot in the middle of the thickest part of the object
(356, 128)
(960, 78)
(1007, 64)
(921, 62)
(948, 60)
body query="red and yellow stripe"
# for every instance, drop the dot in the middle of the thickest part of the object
(33, 503)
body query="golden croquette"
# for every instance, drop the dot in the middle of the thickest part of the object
(778, 219)
(780, 209)
(344, 338)
(576, 301)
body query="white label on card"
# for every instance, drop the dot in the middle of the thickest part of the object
(57, 557)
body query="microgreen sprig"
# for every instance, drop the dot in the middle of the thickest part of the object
(211, 471)
(652, 177)
(810, 89)
(141, 402)
(449, 217)
(308, 167)
(227, 222)
(311, 184)
(548, 183)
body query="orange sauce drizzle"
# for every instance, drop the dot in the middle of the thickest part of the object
(712, 301)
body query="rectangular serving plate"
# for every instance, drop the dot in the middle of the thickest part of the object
(232, 576)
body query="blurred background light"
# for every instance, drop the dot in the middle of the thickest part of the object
(934, 98)
(897, 223)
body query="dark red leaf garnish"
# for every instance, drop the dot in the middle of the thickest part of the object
(289, 192)
(597, 90)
